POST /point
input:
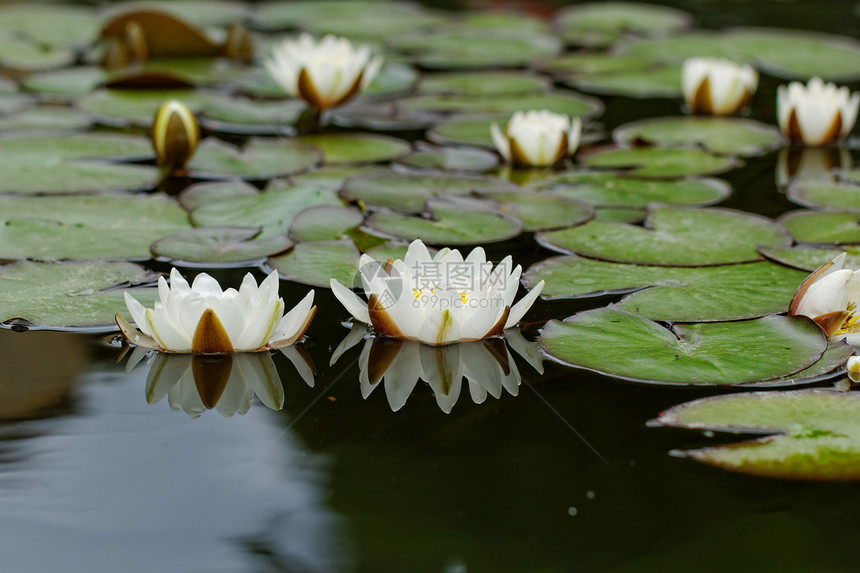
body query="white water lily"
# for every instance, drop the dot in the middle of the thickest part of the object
(830, 297)
(717, 86)
(203, 319)
(817, 113)
(537, 138)
(325, 73)
(438, 299)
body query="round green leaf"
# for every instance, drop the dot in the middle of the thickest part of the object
(613, 190)
(44, 119)
(659, 162)
(825, 195)
(592, 63)
(619, 215)
(340, 148)
(457, 48)
(540, 211)
(49, 25)
(673, 236)
(325, 223)
(647, 82)
(357, 19)
(273, 210)
(676, 294)
(726, 135)
(465, 132)
(69, 294)
(450, 224)
(482, 84)
(71, 82)
(202, 193)
(711, 353)
(219, 246)
(201, 12)
(599, 24)
(241, 115)
(258, 159)
(830, 228)
(504, 106)
(86, 227)
(815, 433)
(451, 159)
(810, 258)
(138, 107)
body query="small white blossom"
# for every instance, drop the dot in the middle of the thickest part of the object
(817, 113)
(537, 138)
(716, 86)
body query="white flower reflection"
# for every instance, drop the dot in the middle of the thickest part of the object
(487, 366)
(811, 164)
(226, 383)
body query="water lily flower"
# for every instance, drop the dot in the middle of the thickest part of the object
(175, 134)
(717, 86)
(816, 114)
(437, 299)
(203, 319)
(324, 74)
(537, 138)
(830, 296)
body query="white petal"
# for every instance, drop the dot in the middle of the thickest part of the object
(354, 305)
(501, 142)
(291, 324)
(519, 310)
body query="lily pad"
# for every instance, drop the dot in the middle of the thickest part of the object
(482, 84)
(202, 12)
(44, 119)
(241, 115)
(465, 132)
(69, 82)
(830, 228)
(138, 107)
(600, 24)
(710, 353)
(202, 193)
(495, 106)
(814, 432)
(540, 211)
(235, 246)
(725, 135)
(659, 162)
(810, 258)
(824, 195)
(409, 192)
(333, 176)
(49, 25)
(273, 210)
(465, 47)
(86, 227)
(647, 82)
(673, 236)
(451, 159)
(610, 189)
(619, 215)
(69, 294)
(345, 148)
(676, 294)
(325, 223)
(593, 63)
(258, 159)
(448, 224)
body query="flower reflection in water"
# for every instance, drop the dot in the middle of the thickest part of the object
(811, 164)
(487, 365)
(226, 383)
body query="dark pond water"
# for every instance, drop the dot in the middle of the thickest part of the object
(564, 476)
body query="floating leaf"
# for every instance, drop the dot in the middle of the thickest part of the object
(482, 84)
(659, 162)
(568, 103)
(314, 263)
(831, 228)
(719, 353)
(71, 82)
(539, 211)
(44, 119)
(273, 210)
(619, 215)
(647, 82)
(593, 63)
(610, 189)
(815, 432)
(457, 48)
(727, 135)
(202, 12)
(810, 258)
(138, 107)
(599, 24)
(86, 227)
(240, 115)
(451, 159)
(325, 223)
(450, 224)
(49, 25)
(60, 295)
(465, 132)
(259, 159)
(340, 148)
(673, 236)
(824, 195)
(676, 294)
(219, 246)
(202, 193)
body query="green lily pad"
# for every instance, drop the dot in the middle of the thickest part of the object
(610, 189)
(495, 106)
(394, 78)
(828, 366)
(619, 215)
(69, 82)
(345, 148)
(201, 12)
(592, 63)
(258, 159)
(69, 294)
(725, 135)
(673, 236)
(209, 192)
(465, 132)
(409, 192)
(138, 107)
(333, 176)
(49, 25)
(824, 195)
(451, 159)
(540, 211)
(810, 258)
(450, 224)
(273, 210)
(710, 353)
(466, 47)
(86, 227)
(482, 84)
(814, 432)
(219, 246)
(829, 228)
(676, 294)
(325, 223)
(377, 116)
(677, 48)
(44, 119)
(648, 82)
(658, 162)
(254, 117)
(600, 24)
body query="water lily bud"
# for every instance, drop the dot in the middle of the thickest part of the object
(716, 86)
(239, 44)
(537, 138)
(853, 368)
(324, 74)
(175, 134)
(817, 113)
